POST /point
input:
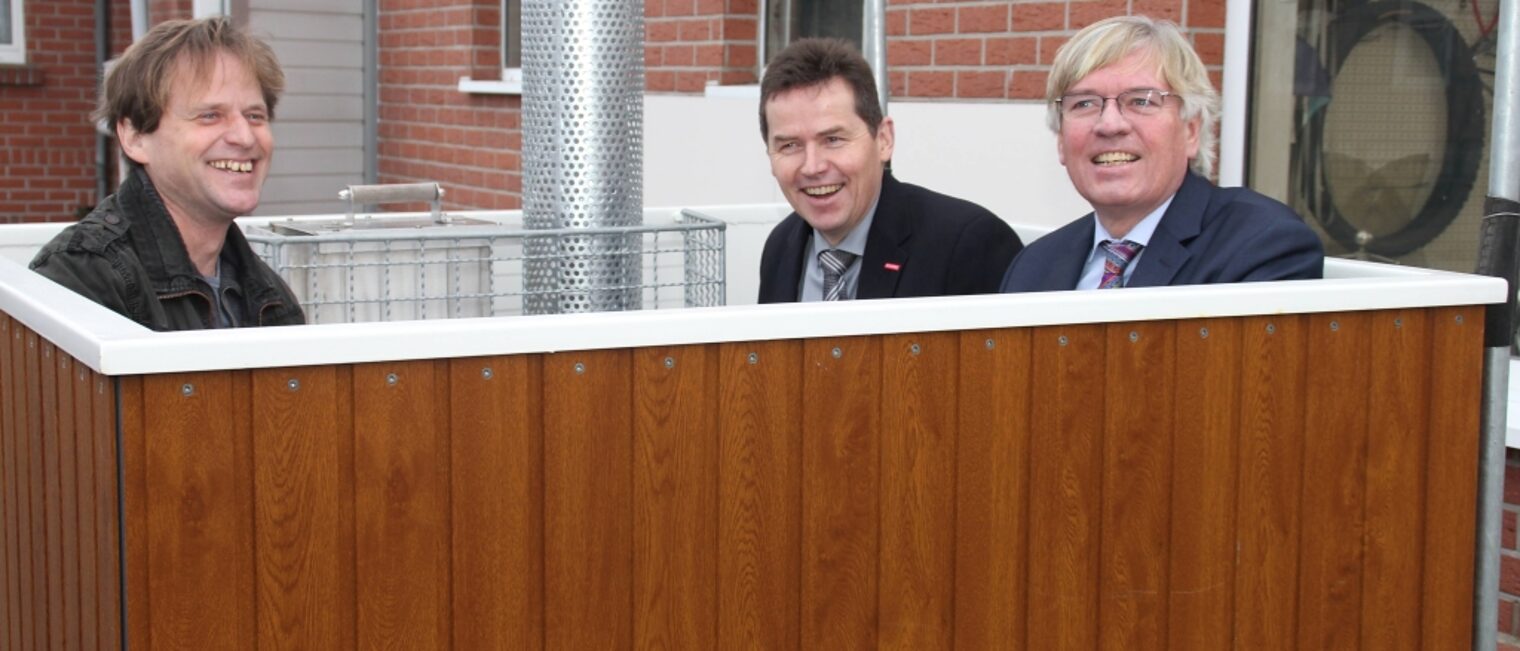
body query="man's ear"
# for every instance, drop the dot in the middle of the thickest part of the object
(132, 141)
(886, 139)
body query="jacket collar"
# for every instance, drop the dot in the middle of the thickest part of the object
(154, 236)
(159, 247)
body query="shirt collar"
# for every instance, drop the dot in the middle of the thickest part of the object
(1141, 233)
(855, 242)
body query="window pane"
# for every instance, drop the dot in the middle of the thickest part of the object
(5, 22)
(1373, 124)
(511, 34)
(828, 18)
(789, 20)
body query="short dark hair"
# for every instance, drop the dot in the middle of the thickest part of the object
(816, 61)
(137, 88)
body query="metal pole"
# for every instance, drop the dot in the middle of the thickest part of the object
(873, 46)
(1498, 257)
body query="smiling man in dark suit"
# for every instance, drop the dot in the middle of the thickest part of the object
(1134, 115)
(857, 232)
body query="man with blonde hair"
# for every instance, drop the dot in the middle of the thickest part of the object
(1134, 115)
(190, 104)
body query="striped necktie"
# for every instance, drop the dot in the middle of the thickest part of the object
(1116, 256)
(834, 262)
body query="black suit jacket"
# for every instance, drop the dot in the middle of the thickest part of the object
(1208, 235)
(940, 245)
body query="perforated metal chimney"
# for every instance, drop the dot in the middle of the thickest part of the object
(583, 130)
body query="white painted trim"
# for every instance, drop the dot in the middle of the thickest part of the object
(492, 86)
(15, 52)
(115, 346)
(747, 91)
(1234, 97)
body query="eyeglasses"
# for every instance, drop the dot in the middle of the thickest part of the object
(1140, 102)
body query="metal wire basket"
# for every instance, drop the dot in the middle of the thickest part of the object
(411, 267)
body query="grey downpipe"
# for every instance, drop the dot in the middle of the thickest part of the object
(371, 93)
(873, 45)
(139, 19)
(1497, 256)
(102, 55)
(761, 54)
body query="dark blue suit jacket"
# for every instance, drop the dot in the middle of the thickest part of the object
(1208, 235)
(921, 243)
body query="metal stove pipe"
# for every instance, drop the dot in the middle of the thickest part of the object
(583, 137)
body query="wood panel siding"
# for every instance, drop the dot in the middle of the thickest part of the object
(59, 579)
(1285, 481)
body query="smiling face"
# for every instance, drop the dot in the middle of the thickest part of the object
(1124, 165)
(824, 157)
(211, 151)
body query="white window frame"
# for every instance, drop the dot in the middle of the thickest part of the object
(511, 76)
(15, 52)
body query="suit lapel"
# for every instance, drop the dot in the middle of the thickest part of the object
(886, 244)
(1067, 261)
(789, 273)
(1167, 251)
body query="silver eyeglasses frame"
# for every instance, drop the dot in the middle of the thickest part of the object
(1128, 103)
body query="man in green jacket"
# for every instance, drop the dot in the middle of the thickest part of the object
(191, 104)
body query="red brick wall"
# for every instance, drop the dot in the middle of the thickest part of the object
(162, 10)
(689, 43)
(47, 144)
(1509, 558)
(429, 130)
(1003, 50)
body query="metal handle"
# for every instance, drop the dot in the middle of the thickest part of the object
(395, 193)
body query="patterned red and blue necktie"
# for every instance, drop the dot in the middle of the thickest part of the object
(1116, 256)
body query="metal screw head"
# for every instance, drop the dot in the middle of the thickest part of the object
(1203, 333)
(754, 358)
(487, 373)
(1398, 323)
(187, 390)
(1062, 340)
(837, 353)
(1459, 319)
(1271, 329)
(914, 349)
(670, 362)
(991, 344)
(1134, 336)
(293, 384)
(391, 379)
(1335, 325)
(580, 368)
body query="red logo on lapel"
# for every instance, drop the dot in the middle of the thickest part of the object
(892, 266)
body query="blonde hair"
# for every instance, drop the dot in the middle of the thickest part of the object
(1107, 41)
